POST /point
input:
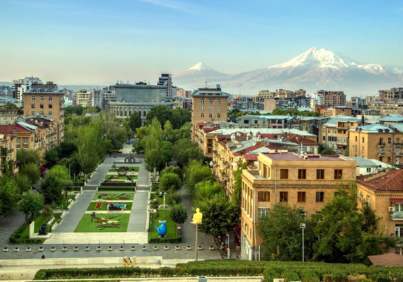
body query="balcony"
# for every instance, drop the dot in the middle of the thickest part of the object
(398, 215)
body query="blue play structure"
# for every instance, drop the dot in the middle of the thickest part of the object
(162, 228)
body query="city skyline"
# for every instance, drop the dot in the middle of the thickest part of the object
(99, 42)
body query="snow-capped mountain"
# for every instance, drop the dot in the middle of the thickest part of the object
(198, 74)
(313, 69)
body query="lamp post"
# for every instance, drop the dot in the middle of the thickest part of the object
(197, 219)
(302, 226)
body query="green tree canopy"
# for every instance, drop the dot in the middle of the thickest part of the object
(170, 181)
(31, 204)
(8, 195)
(195, 173)
(25, 157)
(56, 179)
(134, 121)
(31, 170)
(178, 214)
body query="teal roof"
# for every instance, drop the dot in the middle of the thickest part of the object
(374, 128)
(334, 120)
(392, 118)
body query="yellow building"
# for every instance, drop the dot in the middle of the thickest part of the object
(384, 193)
(335, 132)
(8, 152)
(84, 98)
(375, 141)
(300, 181)
(208, 105)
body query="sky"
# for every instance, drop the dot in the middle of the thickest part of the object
(102, 41)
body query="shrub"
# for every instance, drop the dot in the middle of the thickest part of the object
(178, 214)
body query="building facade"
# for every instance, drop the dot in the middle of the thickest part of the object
(331, 98)
(376, 141)
(84, 98)
(208, 105)
(307, 182)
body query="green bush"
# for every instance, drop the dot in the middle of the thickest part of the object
(21, 236)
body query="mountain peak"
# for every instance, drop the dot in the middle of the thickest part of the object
(199, 67)
(320, 57)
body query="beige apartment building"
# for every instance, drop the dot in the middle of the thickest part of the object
(384, 193)
(331, 98)
(335, 132)
(308, 182)
(208, 105)
(376, 141)
(46, 104)
(84, 98)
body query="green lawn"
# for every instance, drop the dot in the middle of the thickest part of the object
(128, 168)
(154, 223)
(118, 223)
(118, 195)
(103, 206)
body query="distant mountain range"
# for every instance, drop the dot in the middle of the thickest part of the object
(312, 70)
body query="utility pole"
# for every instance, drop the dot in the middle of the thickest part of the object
(302, 226)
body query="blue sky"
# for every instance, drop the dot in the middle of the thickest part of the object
(101, 41)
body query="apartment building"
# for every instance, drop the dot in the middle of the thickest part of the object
(384, 193)
(392, 95)
(238, 150)
(8, 152)
(84, 98)
(308, 182)
(261, 121)
(205, 133)
(335, 132)
(335, 111)
(376, 141)
(331, 98)
(46, 104)
(208, 105)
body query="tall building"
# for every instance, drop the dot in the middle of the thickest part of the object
(48, 103)
(165, 80)
(31, 84)
(308, 182)
(209, 105)
(393, 95)
(376, 141)
(331, 98)
(141, 97)
(84, 98)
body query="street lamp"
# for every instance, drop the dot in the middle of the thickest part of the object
(197, 219)
(302, 226)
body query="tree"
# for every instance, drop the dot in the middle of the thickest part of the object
(31, 170)
(370, 220)
(178, 214)
(206, 190)
(52, 157)
(27, 156)
(160, 113)
(170, 181)
(195, 173)
(8, 195)
(324, 149)
(56, 179)
(180, 116)
(184, 151)
(281, 234)
(339, 229)
(134, 121)
(23, 183)
(31, 204)
(219, 216)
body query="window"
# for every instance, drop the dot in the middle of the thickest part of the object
(356, 138)
(218, 115)
(202, 115)
(33, 106)
(338, 174)
(320, 196)
(381, 159)
(399, 230)
(284, 197)
(50, 106)
(389, 140)
(262, 212)
(301, 197)
(320, 174)
(363, 140)
(381, 141)
(263, 196)
(301, 173)
(389, 159)
(283, 173)
(210, 115)
(41, 106)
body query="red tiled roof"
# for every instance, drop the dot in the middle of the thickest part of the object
(250, 157)
(12, 128)
(289, 156)
(391, 180)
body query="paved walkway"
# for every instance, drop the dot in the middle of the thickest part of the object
(98, 238)
(99, 175)
(73, 217)
(138, 217)
(8, 225)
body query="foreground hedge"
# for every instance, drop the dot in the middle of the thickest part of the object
(292, 271)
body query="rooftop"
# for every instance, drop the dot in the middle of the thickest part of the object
(392, 118)
(391, 180)
(363, 162)
(376, 128)
(259, 131)
(334, 120)
(288, 156)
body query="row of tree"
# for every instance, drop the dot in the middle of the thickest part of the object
(340, 232)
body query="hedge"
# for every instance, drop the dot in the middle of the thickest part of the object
(292, 271)
(21, 236)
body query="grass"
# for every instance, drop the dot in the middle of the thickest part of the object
(128, 168)
(103, 206)
(87, 225)
(154, 222)
(118, 195)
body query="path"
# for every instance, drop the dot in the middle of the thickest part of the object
(138, 217)
(8, 225)
(73, 216)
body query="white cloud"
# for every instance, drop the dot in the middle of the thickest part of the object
(170, 4)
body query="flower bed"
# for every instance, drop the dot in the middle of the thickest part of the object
(118, 195)
(103, 206)
(116, 222)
